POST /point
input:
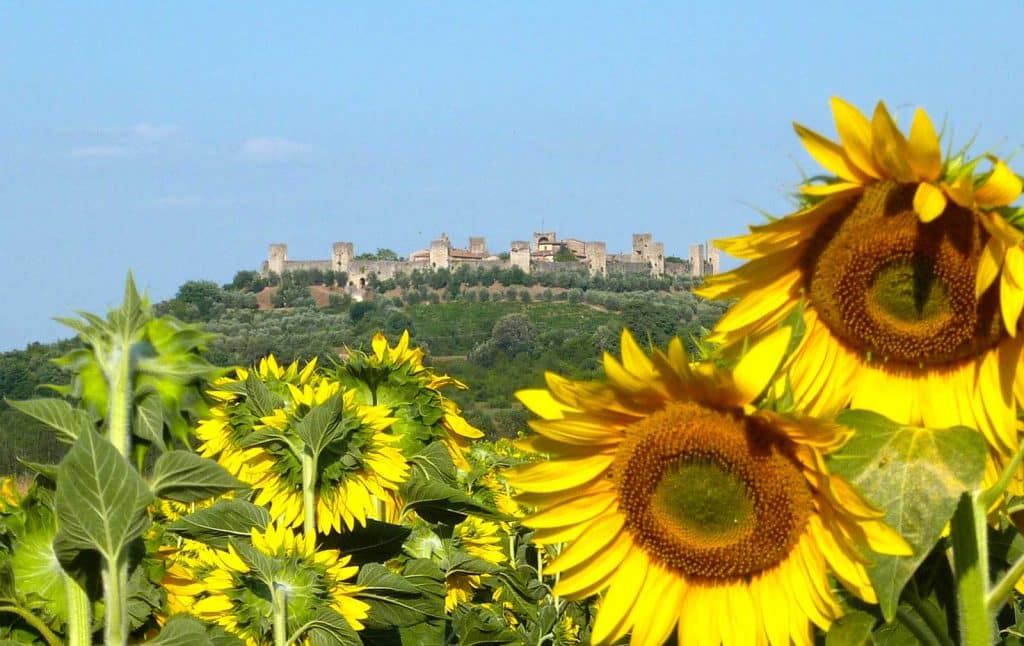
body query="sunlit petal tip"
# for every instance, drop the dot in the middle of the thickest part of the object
(925, 151)
(758, 366)
(829, 154)
(855, 133)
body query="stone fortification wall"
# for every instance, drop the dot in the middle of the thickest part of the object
(300, 265)
(555, 267)
(677, 269)
(628, 267)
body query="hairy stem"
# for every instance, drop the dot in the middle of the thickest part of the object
(279, 600)
(115, 601)
(35, 622)
(79, 621)
(120, 388)
(308, 492)
(969, 538)
(1002, 590)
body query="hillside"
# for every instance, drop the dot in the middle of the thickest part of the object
(495, 338)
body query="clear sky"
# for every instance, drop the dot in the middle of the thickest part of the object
(178, 140)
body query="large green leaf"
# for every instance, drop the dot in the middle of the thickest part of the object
(225, 519)
(262, 400)
(149, 421)
(187, 477)
(101, 500)
(852, 628)
(917, 476)
(68, 421)
(394, 601)
(182, 630)
(376, 542)
(321, 425)
(328, 628)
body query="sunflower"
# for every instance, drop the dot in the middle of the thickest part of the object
(395, 376)
(893, 268)
(358, 474)
(218, 586)
(689, 506)
(481, 539)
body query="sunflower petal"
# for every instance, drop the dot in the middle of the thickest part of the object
(891, 150)
(929, 202)
(758, 366)
(989, 264)
(855, 133)
(1000, 188)
(925, 153)
(829, 154)
(1011, 288)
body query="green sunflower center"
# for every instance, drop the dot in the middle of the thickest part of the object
(888, 285)
(710, 494)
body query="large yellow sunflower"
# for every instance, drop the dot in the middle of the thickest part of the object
(693, 510)
(892, 267)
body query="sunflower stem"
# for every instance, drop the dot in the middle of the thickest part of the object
(969, 539)
(119, 413)
(1001, 591)
(308, 492)
(990, 495)
(279, 603)
(77, 632)
(932, 616)
(37, 623)
(917, 626)
(115, 602)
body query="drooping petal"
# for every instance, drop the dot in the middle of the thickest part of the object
(929, 202)
(829, 154)
(1000, 188)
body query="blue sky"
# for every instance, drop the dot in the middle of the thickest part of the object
(178, 140)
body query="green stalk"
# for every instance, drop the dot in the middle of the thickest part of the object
(308, 492)
(1001, 591)
(115, 600)
(35, 622)
(279, 602)
(969, 539)
(119, 415)
(79, 623)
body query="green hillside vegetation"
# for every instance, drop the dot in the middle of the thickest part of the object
(496, 337)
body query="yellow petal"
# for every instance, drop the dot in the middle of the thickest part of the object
(925, 153)
(757, 367)
(835, 188)
(829, 154)
(989, 264)
(559, 475)
(929, 202)
(634, 359)
(540, 402)
(1011, 288)
(892, 152)
(961, 191)
(855, 133)
(597, 536)
(1000, 188)
(613, 616)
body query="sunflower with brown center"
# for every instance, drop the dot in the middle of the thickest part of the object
(693, 510)
(908, 277)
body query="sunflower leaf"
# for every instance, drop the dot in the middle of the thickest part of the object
(394, 601)
(182, 630)
(917, 476)
(329, 628)
(149, 421)
(376, 542)
(187, 477)
(321, 425)
(262, 400)
(68, 421)
(227, 518)
(852, 628)
(101, 500)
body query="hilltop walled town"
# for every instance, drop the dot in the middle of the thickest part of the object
(647, 256)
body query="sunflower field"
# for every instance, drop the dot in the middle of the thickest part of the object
(839, 462)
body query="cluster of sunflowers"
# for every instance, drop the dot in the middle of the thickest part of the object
(843, 460)
(874, 340)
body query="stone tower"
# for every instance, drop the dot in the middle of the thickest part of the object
(696, 260)
(277, 257)
(441, 253)
(478, 244)
(519, 256)
(641, 245)
(342, 254)
(543, 238)
(714, 258)
(597, 258)
(656, 256)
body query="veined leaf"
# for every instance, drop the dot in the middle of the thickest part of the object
(101, 500)
(182, 630)
(394, 601)
(917, 476)
(852, 628)
(149, 421)
(321, 425)
(68, 421)
(328, 628)
(259, 396)
(376, 542)
(225, 519)
(187, 477)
